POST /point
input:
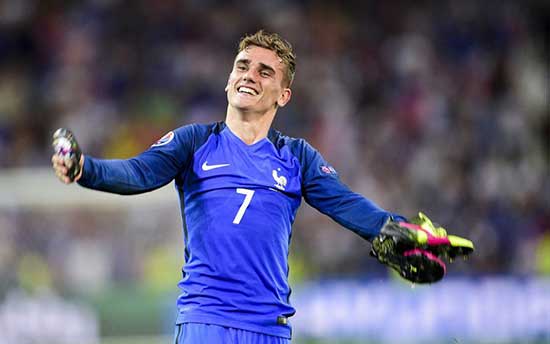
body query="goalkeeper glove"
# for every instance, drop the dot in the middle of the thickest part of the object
(67, 158)
(416, 249)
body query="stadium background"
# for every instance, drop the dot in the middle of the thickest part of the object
(426, 105)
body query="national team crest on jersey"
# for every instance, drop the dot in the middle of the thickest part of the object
(281, 180)
(164, 140)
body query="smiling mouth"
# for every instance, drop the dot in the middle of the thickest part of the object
(247, 90)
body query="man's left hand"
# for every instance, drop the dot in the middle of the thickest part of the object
(417, 249)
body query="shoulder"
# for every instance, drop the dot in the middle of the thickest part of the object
(197, 133)
(311, 160)
(299, 147)
(196, 130)
(189, 137)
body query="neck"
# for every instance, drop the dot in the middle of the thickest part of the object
(249, 127)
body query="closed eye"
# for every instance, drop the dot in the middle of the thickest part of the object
(242, 65)
(265, 73)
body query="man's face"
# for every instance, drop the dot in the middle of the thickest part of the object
(256, 81)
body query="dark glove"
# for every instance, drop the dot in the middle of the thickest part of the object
(416, 249)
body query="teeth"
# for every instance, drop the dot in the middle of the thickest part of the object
(247, 90)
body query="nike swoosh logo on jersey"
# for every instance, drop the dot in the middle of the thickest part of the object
(206, 167)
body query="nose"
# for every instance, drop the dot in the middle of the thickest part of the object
(249, 76)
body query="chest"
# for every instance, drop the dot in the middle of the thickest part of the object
(224, 163)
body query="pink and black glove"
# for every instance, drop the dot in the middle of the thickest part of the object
(417, 249)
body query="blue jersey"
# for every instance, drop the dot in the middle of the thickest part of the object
(238, 203)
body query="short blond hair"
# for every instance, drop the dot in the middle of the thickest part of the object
(275, 43)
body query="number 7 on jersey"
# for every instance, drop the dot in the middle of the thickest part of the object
(247, 198)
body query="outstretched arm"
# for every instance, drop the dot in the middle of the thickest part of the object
(148, 171)
(414, 249)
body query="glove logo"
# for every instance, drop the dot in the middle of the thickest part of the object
(164, 140)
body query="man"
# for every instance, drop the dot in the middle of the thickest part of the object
(240, 184)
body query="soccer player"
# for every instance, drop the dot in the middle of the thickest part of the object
(240, 184)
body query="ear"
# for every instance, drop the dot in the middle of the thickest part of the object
(228, 82)
(285, 97)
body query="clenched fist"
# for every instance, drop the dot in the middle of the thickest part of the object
(67, 160)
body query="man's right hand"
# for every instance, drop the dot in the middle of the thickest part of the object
(67, 160)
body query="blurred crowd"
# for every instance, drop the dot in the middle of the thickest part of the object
(434, 106)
